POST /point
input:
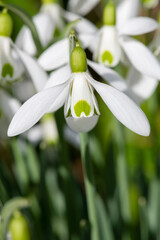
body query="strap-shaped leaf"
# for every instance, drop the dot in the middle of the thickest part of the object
(7, 212)
(26, 18)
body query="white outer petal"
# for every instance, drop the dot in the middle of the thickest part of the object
(55, 56)
(109, 75)
(83, 26)
(127, 9)
(45, 28)
(37, 74)
(32, 110)
(109, 42)
(140, 87)
(61, 99)
(59, 76)
(124, 109)
(138, 25)
(82, 7)
(141, 57)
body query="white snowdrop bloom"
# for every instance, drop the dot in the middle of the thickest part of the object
(45, 29)
(111, 42)
(81, 108)
(14, 62)
(126, 9)
(150, 3)
(82, 7)
(49, 19)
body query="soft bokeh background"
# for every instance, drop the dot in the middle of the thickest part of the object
(126, 169)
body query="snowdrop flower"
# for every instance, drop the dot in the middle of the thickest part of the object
(81, 109)
(14, 62)
(45, 29)
(46, 131)
(150, 3)
(51, 18)
(82, 7)
(125, 10)
(114, 41)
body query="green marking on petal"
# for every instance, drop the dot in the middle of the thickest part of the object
(82, 106)
(107, 56)
(69, 113)
(7, 70)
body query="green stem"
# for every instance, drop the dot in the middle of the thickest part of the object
(89, 185)
(143, 219)
(122, 178)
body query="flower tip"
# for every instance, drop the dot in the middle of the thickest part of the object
(10, 132)
(145, 130)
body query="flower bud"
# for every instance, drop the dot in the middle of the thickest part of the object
(6, 24)
(48, 1)
(78, 60)
(109, 14)
(18, 227)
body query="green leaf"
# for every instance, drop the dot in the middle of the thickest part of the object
(7, 212)
(104, 222)
(26, 18)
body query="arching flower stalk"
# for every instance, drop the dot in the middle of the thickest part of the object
(81, 109)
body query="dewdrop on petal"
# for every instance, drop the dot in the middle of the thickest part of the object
(81, 109)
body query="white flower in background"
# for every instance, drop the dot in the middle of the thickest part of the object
(46, 131)
(125, 10)
(81, 109)
(51, 18)
(82, 7)
(150, 3)
(110, 43)
(45, 29)
(14, 62)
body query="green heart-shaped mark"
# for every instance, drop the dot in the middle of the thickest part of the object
(107, 56)
(7, 70)
(82, 106)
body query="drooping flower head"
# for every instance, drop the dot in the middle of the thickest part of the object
(81, 111)
(14, 63)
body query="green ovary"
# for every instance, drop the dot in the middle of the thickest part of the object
(82, 106)
(7, 70)
(107, 56)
